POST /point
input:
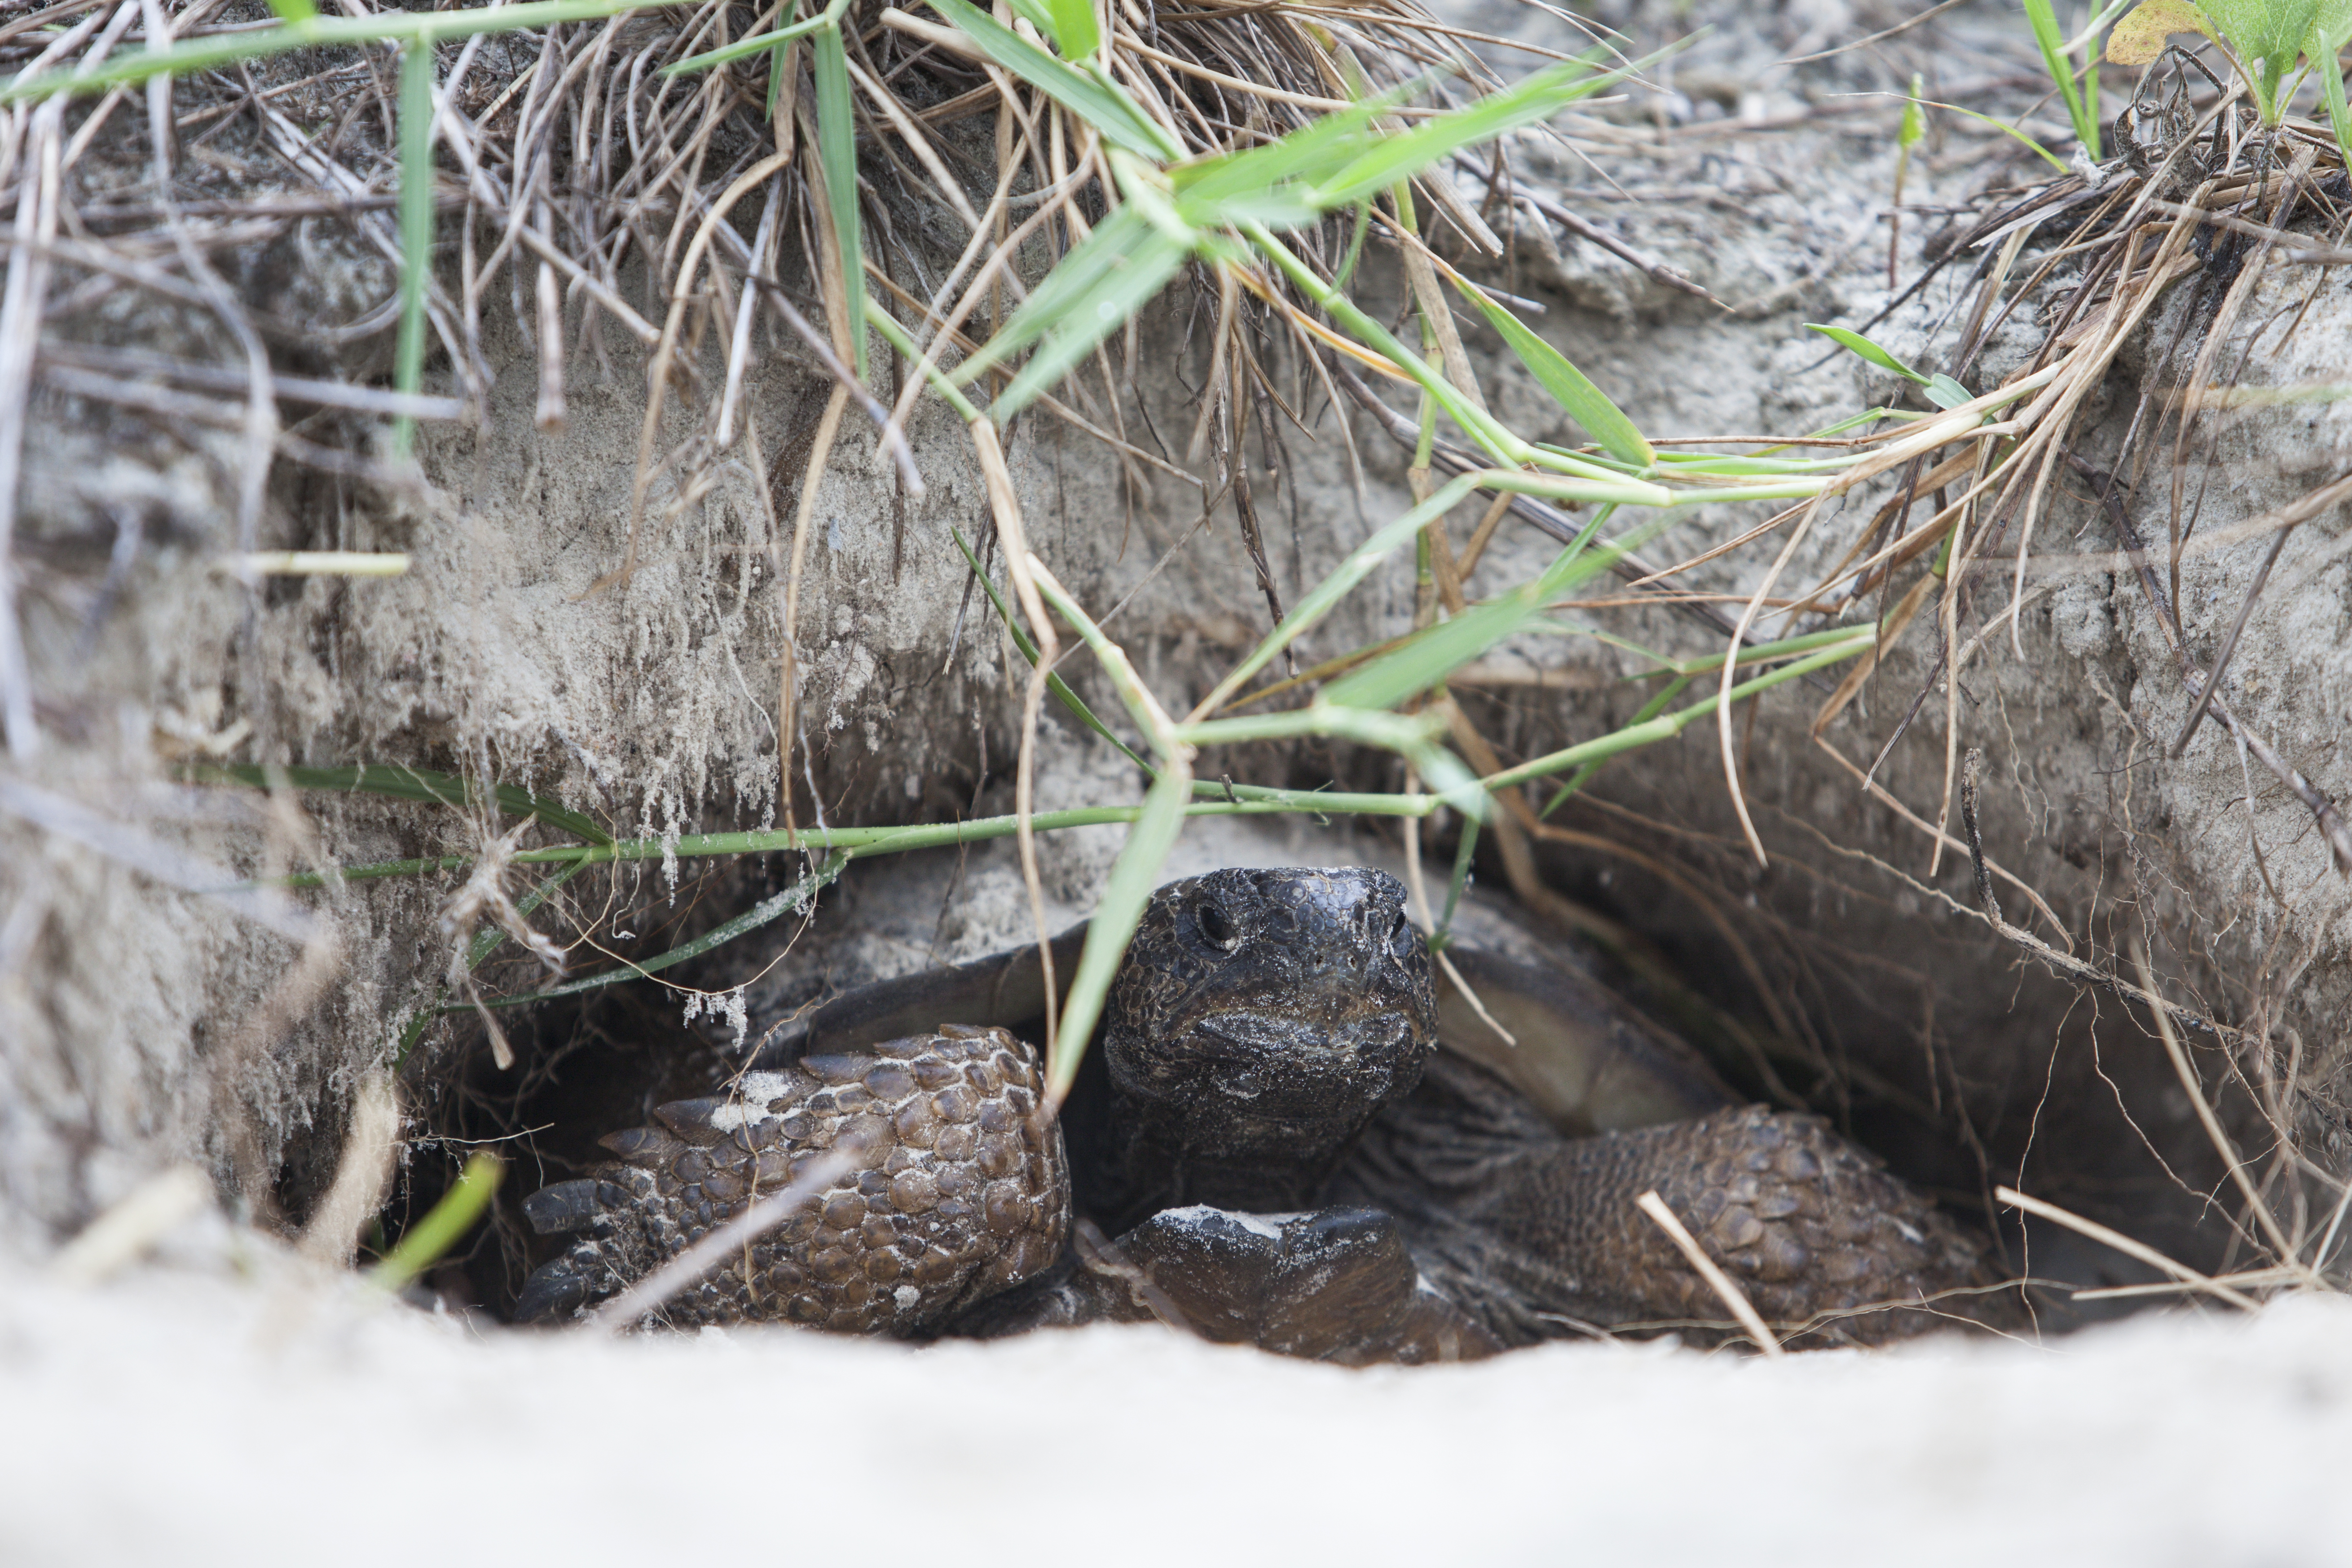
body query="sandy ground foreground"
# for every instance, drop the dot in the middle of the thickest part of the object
(186, 1416)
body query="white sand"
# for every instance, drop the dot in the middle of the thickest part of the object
(186, 1417)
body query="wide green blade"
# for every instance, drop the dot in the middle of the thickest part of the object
(2052, 43)
(837, 146)
(1102, 282)
(1584, 402)
(1316, 150)
(1869, 351)
(1133, 878)
(1099, 104)
(1536, 100)
(1422, 663)
(1075, 29)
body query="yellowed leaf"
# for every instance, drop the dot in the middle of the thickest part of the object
(2139, 37)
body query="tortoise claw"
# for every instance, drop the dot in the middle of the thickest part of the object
(566, 1208)
(555, 1290)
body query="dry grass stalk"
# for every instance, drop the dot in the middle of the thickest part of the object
(1722, 1284)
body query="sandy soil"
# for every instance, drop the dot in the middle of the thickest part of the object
(198, 1417)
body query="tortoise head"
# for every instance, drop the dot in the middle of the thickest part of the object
(1262, 1018)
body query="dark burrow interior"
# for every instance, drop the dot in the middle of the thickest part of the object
(1964, 1069)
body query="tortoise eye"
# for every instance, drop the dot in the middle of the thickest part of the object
(1402, 938)
(1216, 928)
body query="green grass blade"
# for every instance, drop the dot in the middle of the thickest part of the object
(1315, 151)
(1020, 639)
(751, 45)
(1360, 562)
(227, 49)
(1531, 102)
(486, 941)
(1584, 402)
(1446, 647)
(1412, 736)
(1583, 774)
(768, 909)
(411, 783)
(1142, 273)
(1113, 273)
(1088, 267)
(2044, 154)
(2052, 44)
(1464, 856)
(1634, 736)
(1100, 105)
(1133, 878)
(441, 1225)
(1429, 659)
(2331, 82)
(836, 145)
(1869, 351)
(294, 10)
(416, 225)
(897, 336)
(1073, 29)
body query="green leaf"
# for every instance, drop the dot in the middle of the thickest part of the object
(1869, 351)
(774, 41)
(2331, 81)
(1914, 119)
(1021, 640)
(2139, 37)
(1531, 102)
(1945, 393)
(1318, 601)
(1101, 105)
(2052, 43)
(2270, 32)
(1315, 151)
(1428, 658)
(1075, 28)
(1128, 259)
(294, 10)
(415, 223)
(323, 32)
(2330, 30)
(837, 146)
(1133, 877)
(411, 783)
(1585, 403)
(441, 1225)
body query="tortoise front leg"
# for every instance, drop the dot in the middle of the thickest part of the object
(1537, 1234)
(957, 1187)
